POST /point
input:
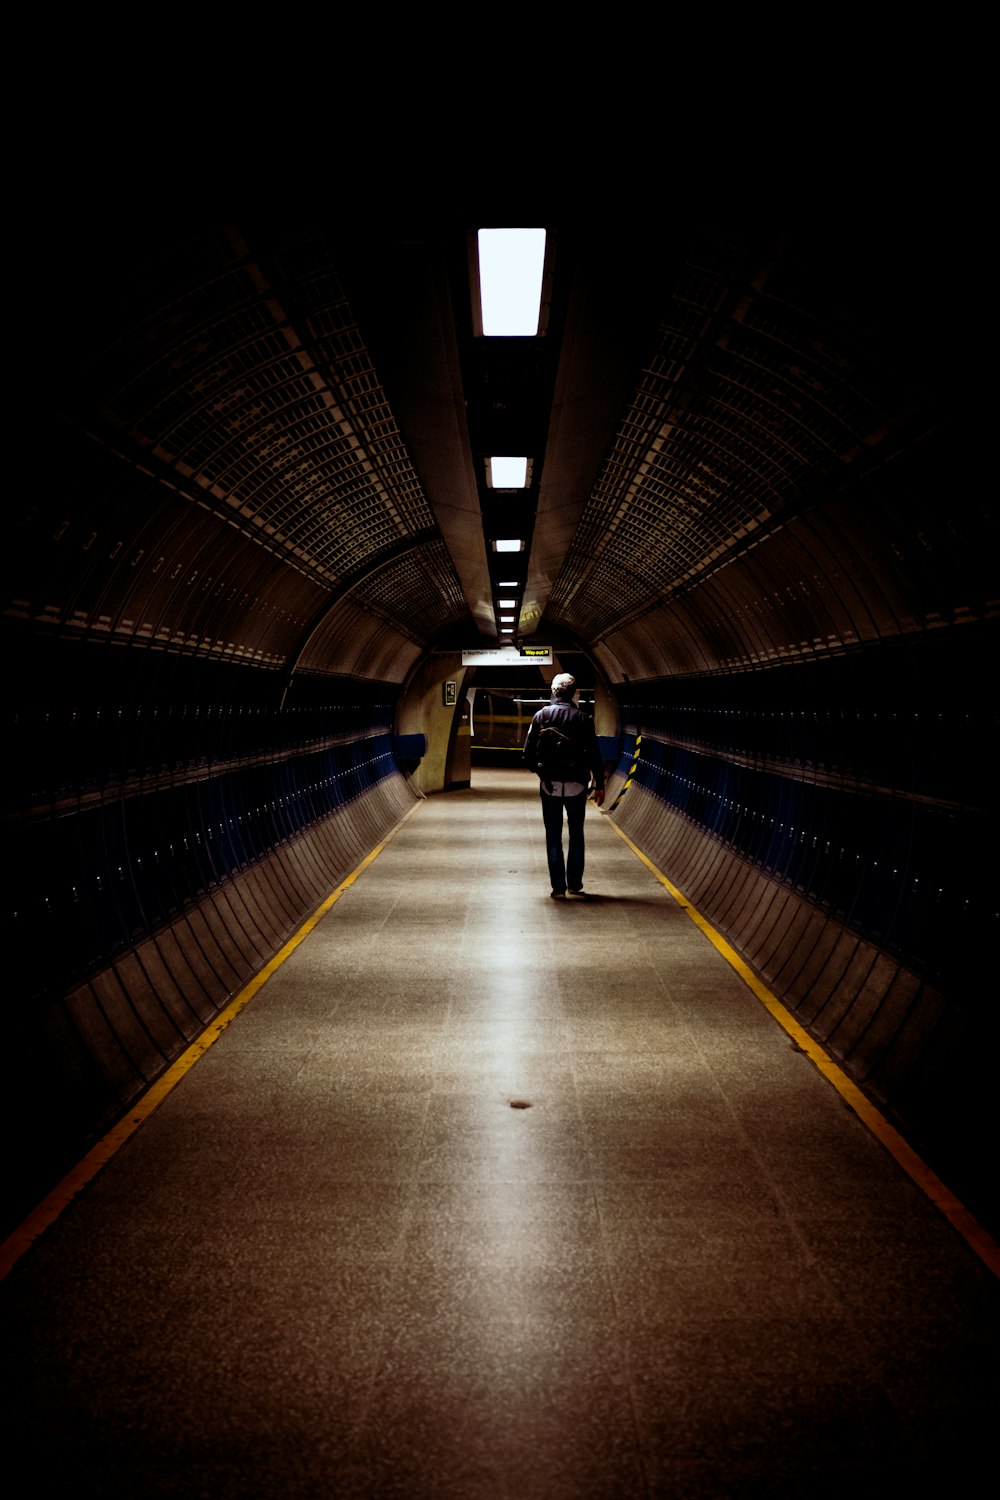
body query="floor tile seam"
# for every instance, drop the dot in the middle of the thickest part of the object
(623, 1322)
(787, 1208)
(614, 1299)
(394, 1268)
(827, 1292)
(693, 1034)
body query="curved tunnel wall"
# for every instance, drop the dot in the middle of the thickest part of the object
(787, 570)
(228, 570)
(177, 797)
(808, 812)
(167, 847)
(811, 750)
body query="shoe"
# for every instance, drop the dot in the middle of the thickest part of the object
(581, 894)
(559, 895)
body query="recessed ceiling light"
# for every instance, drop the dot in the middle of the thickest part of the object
(508, 544)
(506, 604)
(507, 473)
(511, 262)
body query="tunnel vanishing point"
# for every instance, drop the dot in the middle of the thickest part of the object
(262, 532)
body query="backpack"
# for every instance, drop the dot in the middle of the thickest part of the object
(556, 756)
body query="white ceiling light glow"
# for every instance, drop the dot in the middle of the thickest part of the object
(510, 281)
(508, 473)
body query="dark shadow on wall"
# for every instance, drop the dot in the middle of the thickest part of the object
(168, 822)
(835, 820)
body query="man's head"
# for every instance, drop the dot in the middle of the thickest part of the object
(563, 687)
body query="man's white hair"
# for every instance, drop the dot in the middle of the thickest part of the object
(563, 685)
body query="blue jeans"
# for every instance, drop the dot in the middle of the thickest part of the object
(568, 872)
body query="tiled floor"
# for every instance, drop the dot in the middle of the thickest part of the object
(494, 1197)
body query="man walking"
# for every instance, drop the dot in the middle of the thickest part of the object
(562, 747)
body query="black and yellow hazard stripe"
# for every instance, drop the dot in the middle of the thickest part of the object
(631, 773)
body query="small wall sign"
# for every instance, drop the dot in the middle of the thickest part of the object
(450, 694)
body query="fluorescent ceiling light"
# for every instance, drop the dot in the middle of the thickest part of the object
(508, 544)
(508, 583)
(506, 604)
(507, 631)
(508, 473)
(506, 619)
(510, 281)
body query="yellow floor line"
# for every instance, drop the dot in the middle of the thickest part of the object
(955, 1212)
(98, 1157)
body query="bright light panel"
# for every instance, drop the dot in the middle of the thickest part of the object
(506, 603)
(508, 583)
(508, 473)
(506, 619)
(509, 544)
(510, 281)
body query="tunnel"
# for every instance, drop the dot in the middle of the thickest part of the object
(252, 616)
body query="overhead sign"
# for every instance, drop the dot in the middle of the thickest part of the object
(509, 656)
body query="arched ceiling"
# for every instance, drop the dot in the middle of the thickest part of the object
(737, 432)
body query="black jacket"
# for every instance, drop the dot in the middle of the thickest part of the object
(579, 726)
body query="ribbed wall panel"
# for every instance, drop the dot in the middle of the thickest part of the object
(212, 939)
(901, 1000)
(834, 987)
(926, 1036)
(114, 1033)
(854, 1031)
(116, 1049)
(787, 947)
(776, 909)
(352, 641)
(174, 980)
(152, 998)
(836, 983)
(850, 993)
